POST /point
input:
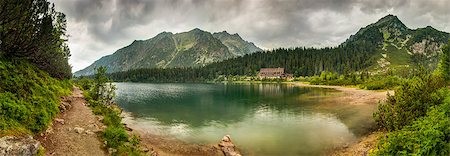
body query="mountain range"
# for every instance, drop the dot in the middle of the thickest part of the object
(383, 45)
(166, 50)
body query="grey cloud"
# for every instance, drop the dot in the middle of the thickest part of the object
(110, 24)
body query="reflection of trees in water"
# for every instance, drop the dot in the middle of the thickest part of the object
(262, 90)
(200, 104)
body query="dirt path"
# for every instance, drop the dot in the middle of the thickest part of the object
(74, 131)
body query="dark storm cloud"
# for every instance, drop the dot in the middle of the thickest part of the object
(99, 27)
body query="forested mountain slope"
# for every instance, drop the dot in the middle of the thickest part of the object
(195, 48)
(380, 47)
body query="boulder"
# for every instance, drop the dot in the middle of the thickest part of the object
(227, 147)
(12, 145)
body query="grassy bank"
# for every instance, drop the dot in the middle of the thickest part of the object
(29, 98)
(115, 134)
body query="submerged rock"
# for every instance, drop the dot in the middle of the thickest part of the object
(11, 145)
(227, 147)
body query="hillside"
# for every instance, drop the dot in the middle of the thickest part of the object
(194, 48)
(386, 45)
(400, 46)
(34, 68)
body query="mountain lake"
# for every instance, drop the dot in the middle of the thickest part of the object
(262, 119)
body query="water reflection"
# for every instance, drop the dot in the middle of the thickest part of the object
(265, 119)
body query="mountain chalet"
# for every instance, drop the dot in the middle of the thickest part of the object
(272, 73)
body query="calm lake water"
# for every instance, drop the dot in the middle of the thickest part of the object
(262, 119)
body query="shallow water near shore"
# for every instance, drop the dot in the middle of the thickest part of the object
(262, 119)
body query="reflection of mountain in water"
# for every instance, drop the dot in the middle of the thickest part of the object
(266, 119)
(197, 104)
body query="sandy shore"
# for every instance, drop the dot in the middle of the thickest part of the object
(166, 145)
(353, 96)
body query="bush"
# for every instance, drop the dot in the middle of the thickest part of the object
(330, 78)
(115, 136)
(381, 83)
(84, 83)
(410, 102)
(429, 135)
(112, 118)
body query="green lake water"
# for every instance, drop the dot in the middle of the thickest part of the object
(262, 119)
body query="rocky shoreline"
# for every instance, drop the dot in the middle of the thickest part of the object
(165, 145)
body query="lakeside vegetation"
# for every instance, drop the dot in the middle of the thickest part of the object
(417, 117)
(34, 72)
(100, 92)
(363, 80)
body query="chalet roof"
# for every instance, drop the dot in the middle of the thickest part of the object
(272, 70)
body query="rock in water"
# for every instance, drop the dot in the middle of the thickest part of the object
(23, 146)
(227, 147)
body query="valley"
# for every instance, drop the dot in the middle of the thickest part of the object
(224, 78)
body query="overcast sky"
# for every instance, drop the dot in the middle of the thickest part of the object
(100, 27)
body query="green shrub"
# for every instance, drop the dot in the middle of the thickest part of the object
(429, 135)
(135, 140)
(411, 101)
(84, 83)
(379, 83)
(112, 119)
(115, 136)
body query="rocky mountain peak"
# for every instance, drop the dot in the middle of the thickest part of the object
(391, 21)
